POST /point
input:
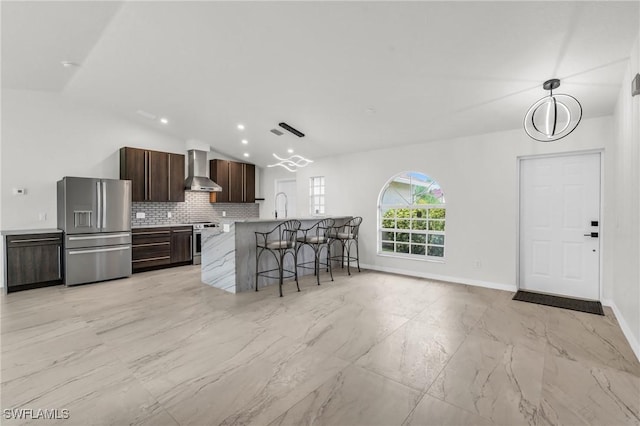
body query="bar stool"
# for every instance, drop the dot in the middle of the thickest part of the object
(316, 237)
(347, 235)
(280, 241)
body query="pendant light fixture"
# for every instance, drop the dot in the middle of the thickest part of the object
(552, 117)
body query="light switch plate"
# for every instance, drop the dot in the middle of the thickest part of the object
(139, 215)
(169, 215)
(226, 227)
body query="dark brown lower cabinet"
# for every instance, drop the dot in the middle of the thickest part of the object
(161, 247)
(33, 260)
(181, 244)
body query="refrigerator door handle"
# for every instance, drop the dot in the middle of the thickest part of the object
(104, 205)
(99, 212)
(100, 250)
(99, 237)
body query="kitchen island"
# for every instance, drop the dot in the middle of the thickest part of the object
(229, 253)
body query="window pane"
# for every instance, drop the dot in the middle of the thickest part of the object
(387, 247)
(435, 251)
(419, 213)
(417, 249)
(388, 223)
(418, 238)
(419, 224)
(388, 236)
(436, 213)
(436, 239)
(402, 248)
(403, 223)
(402, 236)
(436, 225)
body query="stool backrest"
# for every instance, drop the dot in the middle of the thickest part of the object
(353, 226)
(287, 231)
(321, 228)
(350, 227)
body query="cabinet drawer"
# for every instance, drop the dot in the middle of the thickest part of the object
(151, 236)
(150, 250)
(33, 240)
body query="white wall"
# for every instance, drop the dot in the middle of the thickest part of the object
(623, 200)
(45, 137)
(479, 178)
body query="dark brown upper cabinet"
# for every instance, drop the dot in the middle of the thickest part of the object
(238, 181)
(154, 175)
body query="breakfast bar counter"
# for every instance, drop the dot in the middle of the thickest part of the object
(229, 253)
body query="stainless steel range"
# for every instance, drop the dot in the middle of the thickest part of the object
(197, 239)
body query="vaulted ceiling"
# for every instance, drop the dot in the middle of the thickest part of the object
(351, 75)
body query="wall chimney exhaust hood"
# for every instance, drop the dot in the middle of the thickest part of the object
(197, 179)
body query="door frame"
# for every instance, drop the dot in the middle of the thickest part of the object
(519, 160)
(280, 180)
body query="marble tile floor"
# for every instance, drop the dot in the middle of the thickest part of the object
(161, 348)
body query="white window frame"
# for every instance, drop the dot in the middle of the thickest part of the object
(426, 232)
(317, 188)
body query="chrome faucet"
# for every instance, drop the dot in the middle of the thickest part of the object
(285, 204)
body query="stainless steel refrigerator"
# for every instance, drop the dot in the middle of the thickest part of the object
(95, 215)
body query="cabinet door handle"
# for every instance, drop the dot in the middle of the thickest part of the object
(35, 240)
(149, 177)
(149, 259)
(181, 230)
(151, 232)
(169, 175)
(146, 174)
(150, 245)
(59, 263)
(191, 245)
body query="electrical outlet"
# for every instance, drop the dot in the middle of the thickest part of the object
(19, 191)
(224, 213)
(477, 264)
(139, 215)
(42, 217)
(169, 215)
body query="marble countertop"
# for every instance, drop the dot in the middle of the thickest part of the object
(31, 231)
(317, 218)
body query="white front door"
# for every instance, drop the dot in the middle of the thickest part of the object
(559, 211)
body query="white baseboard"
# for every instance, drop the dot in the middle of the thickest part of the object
(626, 330)
(454, 280)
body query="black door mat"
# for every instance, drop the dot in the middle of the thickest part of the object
(587, 306)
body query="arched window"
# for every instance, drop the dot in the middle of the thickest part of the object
(411, 215)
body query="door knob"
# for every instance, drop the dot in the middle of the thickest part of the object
(592, 235)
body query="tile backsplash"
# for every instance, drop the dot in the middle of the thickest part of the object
(195, 208)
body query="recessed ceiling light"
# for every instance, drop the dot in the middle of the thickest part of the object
(163, 120)
(244, 141)
(69, 64)
(290, 151)
(246, 154)
(240, 126)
